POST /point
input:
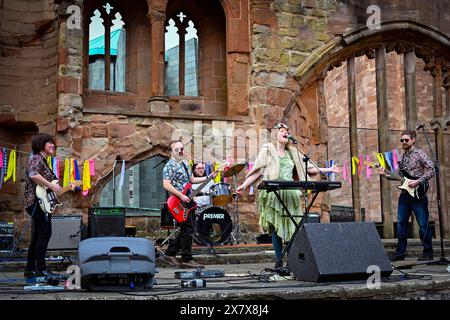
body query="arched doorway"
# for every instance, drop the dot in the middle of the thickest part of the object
(370, 85)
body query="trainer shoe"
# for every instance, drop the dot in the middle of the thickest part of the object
(191, 264)
(399, 257)
(172, 261)
(425, 257)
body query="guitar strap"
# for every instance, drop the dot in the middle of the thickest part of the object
(186, 170)
(48, 168)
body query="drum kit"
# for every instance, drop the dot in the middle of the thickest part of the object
(214, 225)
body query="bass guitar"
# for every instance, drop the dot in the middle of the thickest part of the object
(179, 209)
(48, 200)
(418, 192)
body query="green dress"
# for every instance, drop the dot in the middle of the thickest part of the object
(272, 214)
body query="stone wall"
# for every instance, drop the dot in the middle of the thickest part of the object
(337, 111)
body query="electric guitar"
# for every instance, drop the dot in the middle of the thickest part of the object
(179, 209)
(48, 200)
(416, 192)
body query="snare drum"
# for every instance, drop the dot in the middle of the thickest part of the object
(221, 195)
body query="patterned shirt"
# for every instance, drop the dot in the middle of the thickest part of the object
(178, 174)
(36, 165)
(416, 163)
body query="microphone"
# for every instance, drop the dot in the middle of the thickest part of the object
(420, 126)
(292, 138)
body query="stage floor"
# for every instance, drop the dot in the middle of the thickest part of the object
(251, 281)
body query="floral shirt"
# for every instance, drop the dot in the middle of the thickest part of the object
(179, 173)
(36, 165)
(416, 163)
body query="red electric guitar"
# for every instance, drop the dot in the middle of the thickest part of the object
(180, 210)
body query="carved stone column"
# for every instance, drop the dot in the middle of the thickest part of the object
(437, 125)
(383, 137)
(181, 25)
(157, 20)
(353, 131)
(410, 89)
(157, 103)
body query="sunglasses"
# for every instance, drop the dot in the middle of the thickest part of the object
(404, 140)
(280, 125)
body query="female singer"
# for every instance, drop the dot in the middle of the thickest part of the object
(280, 162)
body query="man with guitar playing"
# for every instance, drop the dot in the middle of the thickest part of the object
(177, 175)
(417, 168)
(38, 173)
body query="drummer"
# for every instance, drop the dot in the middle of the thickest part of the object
(203, 200)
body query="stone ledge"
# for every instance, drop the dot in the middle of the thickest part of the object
(244, 119)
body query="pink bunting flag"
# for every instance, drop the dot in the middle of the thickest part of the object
(368, 168)
(360, 164)
(395, 159)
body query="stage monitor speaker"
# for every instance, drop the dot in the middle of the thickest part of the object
(337, 252)
(116, 263)
(106, 222)
(66, 232)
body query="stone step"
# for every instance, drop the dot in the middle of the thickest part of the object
(224, 254)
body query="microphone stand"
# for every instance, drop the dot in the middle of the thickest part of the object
(279, 264)
(442, 260)
(306, 159)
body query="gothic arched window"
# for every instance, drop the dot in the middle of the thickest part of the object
(107, 50)
(181, 57)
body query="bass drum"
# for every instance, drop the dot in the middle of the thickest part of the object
(213, 226)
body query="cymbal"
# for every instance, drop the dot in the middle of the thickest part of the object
(234, 170)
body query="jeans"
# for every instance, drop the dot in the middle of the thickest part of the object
(407, 204)
(277, 245)
(183, 240)
(41, 232)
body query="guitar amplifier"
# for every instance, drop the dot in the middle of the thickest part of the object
(106, 222)
(66, 232)
(6, 236)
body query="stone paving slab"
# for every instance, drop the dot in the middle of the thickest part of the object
(422, 282)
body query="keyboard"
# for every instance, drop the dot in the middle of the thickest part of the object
(303, 185)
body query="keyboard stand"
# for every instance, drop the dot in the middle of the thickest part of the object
(279, 264)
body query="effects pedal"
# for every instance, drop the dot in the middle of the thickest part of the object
(199, 273)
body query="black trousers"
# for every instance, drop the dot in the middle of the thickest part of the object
(183, 240)
(41, 232)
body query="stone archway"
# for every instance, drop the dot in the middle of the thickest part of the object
(406, 38)
(135, 148)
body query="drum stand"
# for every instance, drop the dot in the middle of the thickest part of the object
(236, 232)
(174, 232)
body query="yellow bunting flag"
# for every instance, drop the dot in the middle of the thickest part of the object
(71, 170)
(355, 162)
(11, 166)
(49, 162)
(86, 177)
(217, 179)
(66, 173)
(380, 158)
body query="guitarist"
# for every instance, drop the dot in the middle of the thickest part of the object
(38, 173)
(414, 163)
(176, 175)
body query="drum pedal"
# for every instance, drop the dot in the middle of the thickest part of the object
(199, 273)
